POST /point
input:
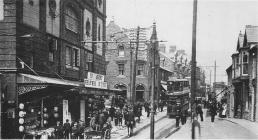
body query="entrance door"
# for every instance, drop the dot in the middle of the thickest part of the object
(139, 93)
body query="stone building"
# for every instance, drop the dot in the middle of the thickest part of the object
(42, 55)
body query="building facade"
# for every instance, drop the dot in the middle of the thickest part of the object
(120, 59)
(46, 49)
(244, 76)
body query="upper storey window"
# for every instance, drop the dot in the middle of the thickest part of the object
(121, 51)
(71, 20)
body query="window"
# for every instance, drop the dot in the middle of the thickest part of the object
(99, 37)
(140, 69)
(1, 10)
(90, 57)
(245, 63)
(76, 57)
(68, 58)
(121, 51)
(71, 21)
(121, 69)
(52, 46)
(72, 57)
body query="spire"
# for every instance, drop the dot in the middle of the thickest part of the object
(154, 32)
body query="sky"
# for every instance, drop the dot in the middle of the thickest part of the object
(219, 23)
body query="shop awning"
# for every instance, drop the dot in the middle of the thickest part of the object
(33, 79)
(28, 83)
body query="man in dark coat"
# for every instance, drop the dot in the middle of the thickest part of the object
(213, 111)
(67, 129)
(130, 122)
(199, 111)
(178, 114)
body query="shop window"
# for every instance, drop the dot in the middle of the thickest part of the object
(121, 51)
(140, 69)
(121, 69)
(71, 20)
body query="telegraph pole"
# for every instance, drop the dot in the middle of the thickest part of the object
(135, 65)
(193, 67)
(131, 72)
(214, 76)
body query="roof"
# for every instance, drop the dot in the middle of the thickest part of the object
(229, 69)
(240, 41)
(251, 33)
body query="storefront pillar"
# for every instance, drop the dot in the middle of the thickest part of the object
(82, 110)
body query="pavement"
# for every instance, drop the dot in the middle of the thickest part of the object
(222, 128)
(120, 132)
(251, 126)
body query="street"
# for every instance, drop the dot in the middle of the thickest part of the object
(165, 129)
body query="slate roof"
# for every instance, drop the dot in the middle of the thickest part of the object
(251, 33)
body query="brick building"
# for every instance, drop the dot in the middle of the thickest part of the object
(118, 57)
(42, 54)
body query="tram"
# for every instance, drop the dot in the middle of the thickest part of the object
(178, 92)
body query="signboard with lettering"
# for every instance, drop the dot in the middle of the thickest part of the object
(95, 84)
(95, 76)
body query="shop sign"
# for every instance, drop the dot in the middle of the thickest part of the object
(95, 76)
(95, 84)
(28, 88)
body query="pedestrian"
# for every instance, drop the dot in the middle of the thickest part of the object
(194, 125)
(93, 122)
(130, 122)
(199, 111)
(58, 130)
(112, 112)
(178, 114)
(148, 110)
(161, 105)
(224, 110)
(75, 131)
(213, 111)
(67, 129)
(120, 117)
(183, 117)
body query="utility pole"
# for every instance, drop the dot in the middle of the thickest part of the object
(131, 73)
(214, 87)
(193, 67)
(135, 65)
(153, 52)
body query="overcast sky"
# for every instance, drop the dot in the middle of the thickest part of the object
(218, 25)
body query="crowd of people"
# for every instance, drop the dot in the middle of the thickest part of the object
(101, 117)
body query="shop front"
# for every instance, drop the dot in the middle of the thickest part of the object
(43, 102)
